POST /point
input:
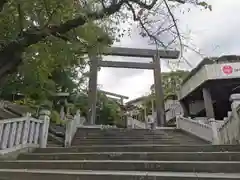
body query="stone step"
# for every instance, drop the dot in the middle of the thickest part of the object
(129, 130)
(109, 175)
(131, 139)
(124, 137)
(79, 143)
(50, 144)
(157, 156)
(172, 166)
(122, 142)
(122, 132)
(82, 142)
(142, 139)
(101, 136)
(173, 134)
(23, 174)
(143, 148)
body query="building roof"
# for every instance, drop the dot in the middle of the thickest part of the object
(212, 60)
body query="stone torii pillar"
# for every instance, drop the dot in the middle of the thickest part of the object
(92, 89)
(95, 62)
(161, 119)
(152, 105)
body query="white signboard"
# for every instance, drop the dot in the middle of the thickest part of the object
(231, 69)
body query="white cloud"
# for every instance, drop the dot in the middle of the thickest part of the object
(215, 33)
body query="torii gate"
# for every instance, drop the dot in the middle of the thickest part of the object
(115, 95)
(95, 62)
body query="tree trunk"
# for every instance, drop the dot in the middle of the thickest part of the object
(9, 63)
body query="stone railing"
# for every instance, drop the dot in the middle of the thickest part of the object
(25, 132)
(217, 132)
(135, 124)
(229, 131)
(203, 131)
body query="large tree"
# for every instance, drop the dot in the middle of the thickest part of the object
(171, 82)
(30, 27)
(108, 110)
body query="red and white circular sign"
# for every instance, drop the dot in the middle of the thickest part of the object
(227, 69)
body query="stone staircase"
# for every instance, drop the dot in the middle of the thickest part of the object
(117, 154)
(132, 137)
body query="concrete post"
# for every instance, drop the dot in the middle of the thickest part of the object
(45, 116)
(121, 100)
(159, 96)
(208, 103)
(185, 108)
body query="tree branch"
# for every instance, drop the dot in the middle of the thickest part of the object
(34, 35)
(135, 18)
(143, 4)
(175, 24)
(103, 5)
(20, 17)
(46, 7)
(11, 53)
(179, 1)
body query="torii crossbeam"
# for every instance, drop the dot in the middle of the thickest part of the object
(121, 97)
(96, 62)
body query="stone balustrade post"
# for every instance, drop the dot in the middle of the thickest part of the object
(78, 118)
(70, 130)
(133, 123)
(235, 98)
(26, 127)
(178, 121)
(215, 134)
(129, 121)
(146, 123)
(45, 116)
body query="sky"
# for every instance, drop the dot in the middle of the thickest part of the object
(214, 33)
